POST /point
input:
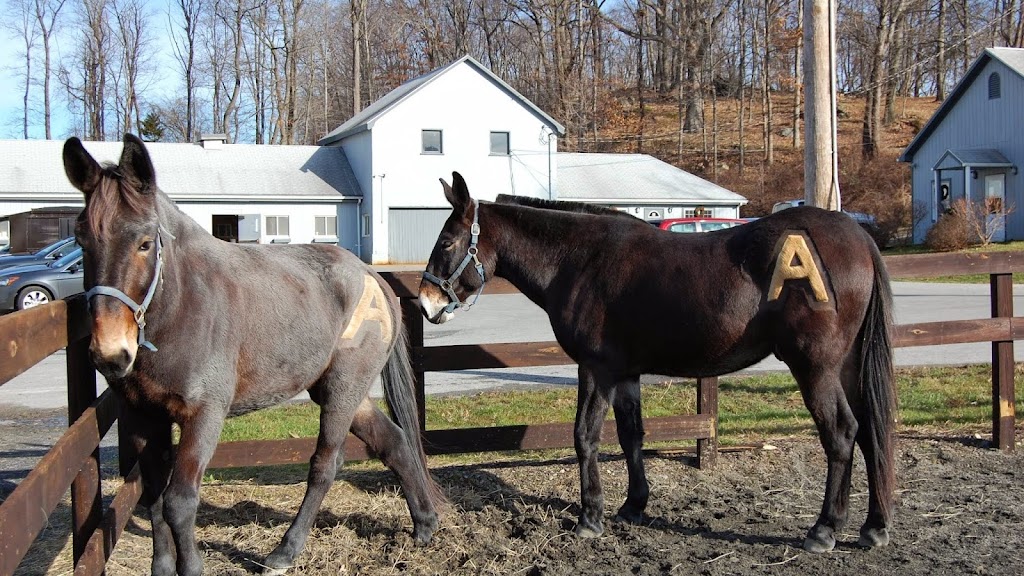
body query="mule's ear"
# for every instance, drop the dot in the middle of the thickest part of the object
(458, 193)
(447, 191)
(136, 165)
(83, 172)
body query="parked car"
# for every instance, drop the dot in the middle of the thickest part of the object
(45, 255)
(860, 217)
(34, 284)
(698, 224)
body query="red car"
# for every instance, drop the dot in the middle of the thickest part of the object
(698, 224)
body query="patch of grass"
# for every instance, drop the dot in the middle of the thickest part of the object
(751, 408)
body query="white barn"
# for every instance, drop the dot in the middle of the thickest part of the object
(460, 117)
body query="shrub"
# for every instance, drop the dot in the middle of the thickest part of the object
(949, 233)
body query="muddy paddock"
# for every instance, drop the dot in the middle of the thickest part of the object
(959, 512)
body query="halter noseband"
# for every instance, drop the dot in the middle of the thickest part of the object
(471, 254)
(138, 310)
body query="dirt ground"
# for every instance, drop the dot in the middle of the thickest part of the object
(959, 512)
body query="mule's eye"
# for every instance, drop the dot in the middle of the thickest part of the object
(447, 244)
(146, 246)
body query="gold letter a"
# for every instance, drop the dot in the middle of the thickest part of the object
(372, 306)
(795, 249)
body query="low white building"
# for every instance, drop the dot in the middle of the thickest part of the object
(237, 192)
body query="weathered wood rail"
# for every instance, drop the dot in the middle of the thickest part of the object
(73, 463)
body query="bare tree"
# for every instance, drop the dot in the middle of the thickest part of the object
(47, 14)
(940, 57)
(133, 38)
(23, 25)
(85, 74)
(889, 13)
(185, 44)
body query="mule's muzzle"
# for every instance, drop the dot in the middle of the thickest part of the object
(434, 305)
(113, 348)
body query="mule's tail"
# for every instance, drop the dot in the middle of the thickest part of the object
(397, 380)
(877, 386)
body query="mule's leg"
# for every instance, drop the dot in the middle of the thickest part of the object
(837, 428)
(149, 433)
(591, 408)
(385, 439)
(199, 436)
(630, 428)
(875, 531)
(335, 418)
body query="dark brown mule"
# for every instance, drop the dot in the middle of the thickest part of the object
(232, 328)
(626, 299)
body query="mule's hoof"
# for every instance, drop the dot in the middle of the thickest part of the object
(819, 540)
(629, 515)
(277, 564)
(422, 534)
(588, 531)
(873, 537)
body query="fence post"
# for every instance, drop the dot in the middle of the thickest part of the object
(413, 320)
(86, 489)
(1003, 405)
(707, 403)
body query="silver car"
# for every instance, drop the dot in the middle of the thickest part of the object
(34, 284)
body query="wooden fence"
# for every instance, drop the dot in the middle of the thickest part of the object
(73, 463)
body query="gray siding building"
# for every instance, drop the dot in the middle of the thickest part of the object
(973, 147)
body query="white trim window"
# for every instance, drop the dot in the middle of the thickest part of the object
(500, 144)
(433, 142)
(277, 229)
(366, 226)
(325, 229)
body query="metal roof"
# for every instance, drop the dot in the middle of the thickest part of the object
(191, 171)
(622, 178)
(367, 116)
(1013, 58)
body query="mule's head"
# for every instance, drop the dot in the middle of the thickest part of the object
(118, 234)
(444, 286)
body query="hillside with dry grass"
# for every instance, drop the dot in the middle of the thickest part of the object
(880, 186)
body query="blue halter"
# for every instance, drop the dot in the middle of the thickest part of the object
(471, 254)
(138, 310)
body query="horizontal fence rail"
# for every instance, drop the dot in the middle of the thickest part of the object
(30, 336)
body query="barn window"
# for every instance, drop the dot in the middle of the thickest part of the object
(326, 225)
(994, 86)
(432, 142)
(277, 225)
(499, 144)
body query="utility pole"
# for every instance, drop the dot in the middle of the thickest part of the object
(821, 154)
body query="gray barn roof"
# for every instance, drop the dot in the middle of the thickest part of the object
(620, 178)
(188, 171)
(1013, 58)
(366, 117)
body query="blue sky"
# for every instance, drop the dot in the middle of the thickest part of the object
(12, 90)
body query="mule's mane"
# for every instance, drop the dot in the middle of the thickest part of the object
(113, 197)
(561, 205)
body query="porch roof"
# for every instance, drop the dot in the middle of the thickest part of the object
(974, 158)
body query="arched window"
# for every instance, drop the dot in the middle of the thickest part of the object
(993, 86)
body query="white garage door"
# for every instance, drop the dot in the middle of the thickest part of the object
(412, 233)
